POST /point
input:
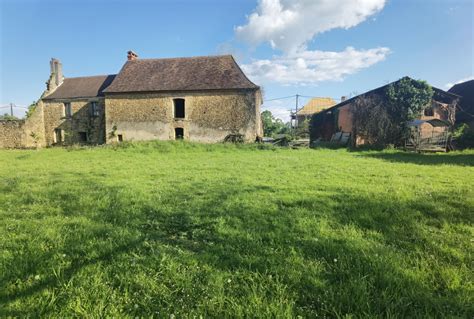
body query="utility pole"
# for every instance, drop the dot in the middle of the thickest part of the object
(11, 109)
(296, 111)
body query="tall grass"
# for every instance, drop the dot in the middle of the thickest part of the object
(172, 228)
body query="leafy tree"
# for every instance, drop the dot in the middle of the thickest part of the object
(381, 119)
(303, 128)
(273, 126)
(407, 99)
(8, 117)
(31, 109)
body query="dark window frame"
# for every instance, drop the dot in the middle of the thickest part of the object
(94, 109)
(67, 109)
(179, 108)
(83, 136)
(429, 111)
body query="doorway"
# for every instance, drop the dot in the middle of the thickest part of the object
(178, 133)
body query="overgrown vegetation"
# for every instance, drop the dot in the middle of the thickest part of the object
(8, 117)
(407, 99)
(463, 136)
(31, 109)
(382, 119)
(183, 230)
(273, 126)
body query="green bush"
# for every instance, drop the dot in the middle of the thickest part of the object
(463, 136)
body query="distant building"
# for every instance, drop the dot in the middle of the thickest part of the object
(337, 122)
(203, 99)
(465, 109)
(315, 105)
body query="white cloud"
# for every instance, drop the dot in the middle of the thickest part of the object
(311, 67)
(289, 25)
(450, 85)
(280, 109)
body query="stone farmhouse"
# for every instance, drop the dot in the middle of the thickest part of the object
(202, 99)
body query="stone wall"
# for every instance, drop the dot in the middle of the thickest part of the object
(210, 116)
(11, 134)
(82, 120)
(27, 133)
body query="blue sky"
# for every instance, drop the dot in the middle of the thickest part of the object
(309, 47)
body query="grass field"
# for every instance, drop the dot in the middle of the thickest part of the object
(184, 230)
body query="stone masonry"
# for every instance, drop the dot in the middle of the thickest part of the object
(139, 104)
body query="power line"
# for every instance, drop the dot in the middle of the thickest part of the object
(303, 96)
(280, 98)
(14, 106)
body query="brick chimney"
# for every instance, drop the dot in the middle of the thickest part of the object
(131, 55)
(56, 77)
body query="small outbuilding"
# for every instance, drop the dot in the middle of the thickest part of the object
(428, 135)
(315, 105)
(339, 123)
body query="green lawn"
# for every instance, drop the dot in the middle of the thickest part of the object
(163, 229)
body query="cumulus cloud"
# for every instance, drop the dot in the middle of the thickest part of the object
(289, 25)
(311, 67)
(450, 85)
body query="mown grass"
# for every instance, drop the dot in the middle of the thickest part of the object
(160, 229)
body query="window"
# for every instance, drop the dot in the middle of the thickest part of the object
(120, 138)
(178, 133)
(58, 135)
(429, 111)
(94, 109)
(83, 137)
(67, 109)
(179, 111)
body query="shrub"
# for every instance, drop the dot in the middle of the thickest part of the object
(463, 136)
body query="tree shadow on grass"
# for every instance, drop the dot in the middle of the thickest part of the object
(223, 226)
(458, 159)
(264, 242)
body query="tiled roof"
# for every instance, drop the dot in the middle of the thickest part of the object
(316, 105)
(89, 86)
(180, 74)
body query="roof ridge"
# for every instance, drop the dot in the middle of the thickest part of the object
(88, 76)
(242, 72)
(183, 58)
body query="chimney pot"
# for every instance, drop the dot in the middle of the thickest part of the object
(131, 55)
(56, 77)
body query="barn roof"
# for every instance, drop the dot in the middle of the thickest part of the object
(439, 95)
(88, 86)
(316, 105)
(466, 108)
(180, 74)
